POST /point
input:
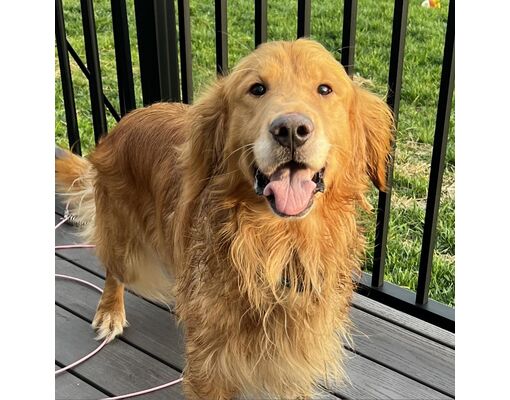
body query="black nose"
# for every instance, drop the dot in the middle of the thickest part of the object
(291, 130)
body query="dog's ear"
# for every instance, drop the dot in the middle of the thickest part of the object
(373, 122)
(200, 158)
(207, 123)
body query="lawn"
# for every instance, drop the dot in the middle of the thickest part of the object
(422, 69)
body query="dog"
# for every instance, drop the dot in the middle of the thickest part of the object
(242, 210)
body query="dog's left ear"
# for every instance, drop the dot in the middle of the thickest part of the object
(373, 121)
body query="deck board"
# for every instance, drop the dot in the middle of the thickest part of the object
(118, 368)
(153, 330)
(392, 362)
(68, 386)
(371, 381)
(405, 351)
(406, 321)
(150, 327)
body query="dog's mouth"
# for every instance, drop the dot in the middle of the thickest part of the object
(290, 189)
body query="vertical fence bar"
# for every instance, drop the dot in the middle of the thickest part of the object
(185, 50)
(260, 22)
(166, 40)
(157, 47)
(86, 72)
(438, 159)
(220, 12)
(123, 62)
(147, 50)
(304, 13)
(73, 135)
(393, 100)
(95, 83)
(349, 35)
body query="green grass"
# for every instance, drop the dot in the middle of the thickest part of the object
(422, 69)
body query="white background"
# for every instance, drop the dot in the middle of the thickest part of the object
(27, 199)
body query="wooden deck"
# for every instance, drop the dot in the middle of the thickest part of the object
(395, 356)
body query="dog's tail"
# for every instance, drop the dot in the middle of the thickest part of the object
(74, 181)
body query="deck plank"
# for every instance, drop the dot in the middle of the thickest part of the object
(405, 320)
(371, 381)
(150, 327)
(68, 386)
(118, 368)
(404, 351)
(67, 234)
(399, 357)
(366, 376)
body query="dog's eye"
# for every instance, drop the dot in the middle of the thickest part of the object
(324, 90)
(257, 89)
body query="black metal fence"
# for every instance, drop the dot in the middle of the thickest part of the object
(162, 78)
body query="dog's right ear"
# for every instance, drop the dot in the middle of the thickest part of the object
(201, 157)
(206, 129)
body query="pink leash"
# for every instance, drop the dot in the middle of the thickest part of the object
(74, 364)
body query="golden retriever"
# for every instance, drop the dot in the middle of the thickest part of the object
(242, 209)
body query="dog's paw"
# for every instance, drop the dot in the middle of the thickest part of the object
(109, 324)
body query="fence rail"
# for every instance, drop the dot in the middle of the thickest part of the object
(162, 79)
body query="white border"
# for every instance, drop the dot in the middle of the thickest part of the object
(27, 200)
(482, 195)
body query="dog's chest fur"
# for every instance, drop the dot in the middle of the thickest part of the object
(271, 299)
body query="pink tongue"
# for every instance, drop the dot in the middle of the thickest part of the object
(292, 189)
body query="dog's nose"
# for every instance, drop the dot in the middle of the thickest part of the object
(291, 130)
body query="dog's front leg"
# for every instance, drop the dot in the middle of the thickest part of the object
(110, 318)
(203, 378)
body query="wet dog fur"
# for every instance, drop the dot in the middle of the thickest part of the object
(168, 199)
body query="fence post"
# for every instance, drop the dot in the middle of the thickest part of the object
(438, 155)
(304, 13)
(185, 50)
(157, 47)
(393, 100)
(73, 135)
(93, 65)
(220, 15)
(260, 21)
(166, 39)
(349, 35)
(123, 56)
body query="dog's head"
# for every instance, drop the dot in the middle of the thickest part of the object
(287, 125)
